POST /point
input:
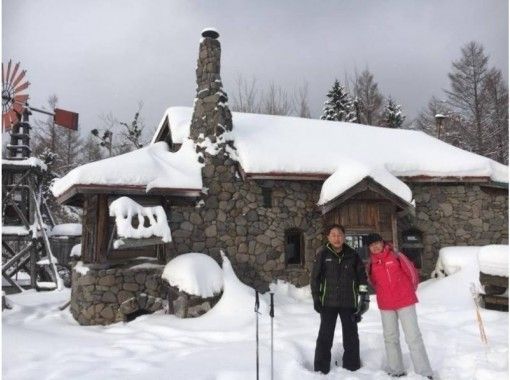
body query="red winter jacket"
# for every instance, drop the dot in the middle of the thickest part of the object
(392, 280)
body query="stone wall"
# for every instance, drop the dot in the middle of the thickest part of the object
(457, 214)
(106, 295)
(232, 218)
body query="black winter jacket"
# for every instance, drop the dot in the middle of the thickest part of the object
(336, 277)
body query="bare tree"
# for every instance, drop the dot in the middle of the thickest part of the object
(451, 126)
(276, 101)
(46, 135)
(367, 98)
(496, 132)
(301, 101)
(466, 92)
(245, 98)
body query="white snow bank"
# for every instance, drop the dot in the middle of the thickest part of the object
(66, 229)
(237, 302)
(124, 209)
(153, 166)
(284, 144)
(350, 173)
(194, 273)
(460, 265)
(493, 259)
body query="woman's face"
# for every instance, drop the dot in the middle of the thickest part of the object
(376, 247)
(336, 238)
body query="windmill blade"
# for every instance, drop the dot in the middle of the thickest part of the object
(17, 107)
(5, 122)
(13, 116)
(20, 99)
(22, 87)
(8, 72)
(19, 78)
(13, 75)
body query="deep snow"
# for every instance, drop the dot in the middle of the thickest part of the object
(42, 342)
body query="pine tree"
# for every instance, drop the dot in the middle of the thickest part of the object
(392, 116)
(339, 105)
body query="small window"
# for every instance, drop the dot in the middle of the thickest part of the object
(294, 247)
(267, 197)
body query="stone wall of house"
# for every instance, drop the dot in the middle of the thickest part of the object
(100, 295)
(460, 214)
(233, 218)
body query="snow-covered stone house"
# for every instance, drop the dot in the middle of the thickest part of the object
(262, 187)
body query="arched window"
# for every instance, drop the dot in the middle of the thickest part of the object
(294, 247)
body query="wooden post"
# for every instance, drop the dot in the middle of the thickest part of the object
(102, 236)
(394, 230)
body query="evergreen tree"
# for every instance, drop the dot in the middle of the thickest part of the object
(392, 116)
(339, 105)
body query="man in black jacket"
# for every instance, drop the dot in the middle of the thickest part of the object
(338, 277)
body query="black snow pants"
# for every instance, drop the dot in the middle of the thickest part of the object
(350, 359)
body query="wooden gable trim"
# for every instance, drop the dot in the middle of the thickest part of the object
(366, 184)
(161, 132)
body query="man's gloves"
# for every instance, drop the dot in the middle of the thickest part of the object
(363, 303)
(317, 306)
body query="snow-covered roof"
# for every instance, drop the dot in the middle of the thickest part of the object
(493, 260)
(269, 144)
(153, 166)
(349, 173)
(28, 162)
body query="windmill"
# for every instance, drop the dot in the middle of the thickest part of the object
(26, 217)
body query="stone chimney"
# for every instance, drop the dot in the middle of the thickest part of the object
(211, 115)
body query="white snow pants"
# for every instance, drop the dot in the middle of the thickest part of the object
(409, 321)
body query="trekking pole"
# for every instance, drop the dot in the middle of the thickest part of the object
(257, 328)
(481, 328)
(271, 314)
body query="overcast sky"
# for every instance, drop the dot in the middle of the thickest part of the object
(101, 56)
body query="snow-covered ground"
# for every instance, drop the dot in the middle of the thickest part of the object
(42, 342)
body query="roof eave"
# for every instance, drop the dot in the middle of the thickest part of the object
(73, 194)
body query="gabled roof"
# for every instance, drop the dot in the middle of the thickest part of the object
(152, 169)
(352, 178)
(292, 147)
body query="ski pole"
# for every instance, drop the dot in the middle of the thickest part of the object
(257, 328)
(271, 314)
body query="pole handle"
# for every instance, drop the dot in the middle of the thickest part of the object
(257, 303)
(271, 310)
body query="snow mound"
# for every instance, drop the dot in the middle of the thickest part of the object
(238, 300)
(350, 173)
(194, 273)
(460, 265)
(76, 251)
(493, 259)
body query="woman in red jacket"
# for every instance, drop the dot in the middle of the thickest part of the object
(394, 279)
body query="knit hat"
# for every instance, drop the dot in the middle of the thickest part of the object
(372, 238)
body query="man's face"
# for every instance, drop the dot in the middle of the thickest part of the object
(376, 247)
(336, 238)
